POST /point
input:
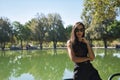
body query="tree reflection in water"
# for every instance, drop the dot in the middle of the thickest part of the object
(25, 76)
(43, 65)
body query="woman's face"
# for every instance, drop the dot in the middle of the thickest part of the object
(79, 31)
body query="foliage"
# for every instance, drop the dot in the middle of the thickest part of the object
(97, 16)
(68, 31)
(5, 31)
(21, 32)
(115, 30)
(56, 28)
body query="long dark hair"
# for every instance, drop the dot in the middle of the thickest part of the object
(73, 37)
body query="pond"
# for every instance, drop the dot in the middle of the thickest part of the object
(52, 65)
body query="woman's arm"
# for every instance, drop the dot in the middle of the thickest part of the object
(72, 54)
(90, 51)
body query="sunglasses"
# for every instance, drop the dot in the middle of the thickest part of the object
(81, 30)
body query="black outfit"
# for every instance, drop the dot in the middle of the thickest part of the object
(84, 70)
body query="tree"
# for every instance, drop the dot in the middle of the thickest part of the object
(21, 32)
(32, 25)
(68, 31)
(61, 32)
(56, 29)
(41, 28)
(98, 15)
(5, 30)
(115, 30)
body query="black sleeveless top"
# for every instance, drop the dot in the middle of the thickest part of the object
(80, 49)
(83, 70)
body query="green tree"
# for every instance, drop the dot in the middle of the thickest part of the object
(98, 15)
(32, 25)
(56, 29)
(5, 30)
(115, 30)
(68, 31)
(41, 28)
(61, 31)
(28, 33)
(21, 32)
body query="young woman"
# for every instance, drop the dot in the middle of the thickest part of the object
(81, 53)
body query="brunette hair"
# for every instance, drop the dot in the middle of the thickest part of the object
(73, 37)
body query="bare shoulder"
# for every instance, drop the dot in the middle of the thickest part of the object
(68, 43)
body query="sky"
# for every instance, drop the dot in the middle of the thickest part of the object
(24, 10)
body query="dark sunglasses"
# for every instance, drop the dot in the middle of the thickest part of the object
(81, 30)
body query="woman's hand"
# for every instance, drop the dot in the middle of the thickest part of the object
(90, 51)
(85, 41)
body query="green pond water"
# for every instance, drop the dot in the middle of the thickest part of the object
(53, 65)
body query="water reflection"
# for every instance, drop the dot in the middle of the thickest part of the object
(101, 54)
(68, 74)
(116, 55)
(43, 65)
(25, 76)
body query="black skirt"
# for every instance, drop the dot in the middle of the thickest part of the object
(85, 71)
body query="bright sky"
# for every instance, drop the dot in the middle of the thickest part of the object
(25, 10)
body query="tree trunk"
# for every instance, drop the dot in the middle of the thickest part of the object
(41, 47)
(55, 47)
(54, 44)
(21, 44)
(3, 46)
(105, 43)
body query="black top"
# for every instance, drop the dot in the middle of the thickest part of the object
(80, 49)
